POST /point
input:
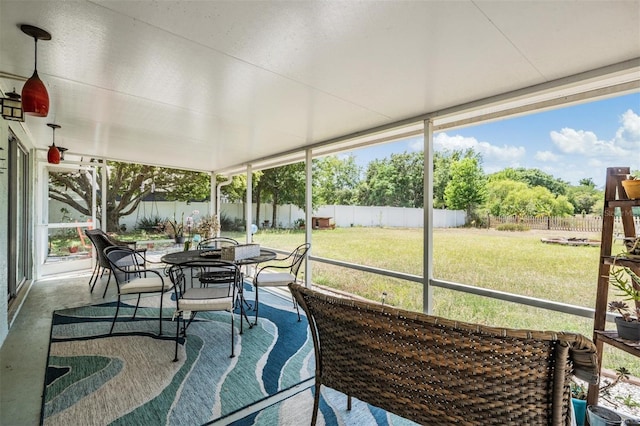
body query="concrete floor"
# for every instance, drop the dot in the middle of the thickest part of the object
(23, 355)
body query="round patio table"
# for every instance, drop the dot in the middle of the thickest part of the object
(197, 259)
(194, 258)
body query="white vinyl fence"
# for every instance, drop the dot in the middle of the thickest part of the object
(342, 216)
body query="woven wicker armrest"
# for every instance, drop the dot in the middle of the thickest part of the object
(439, 372)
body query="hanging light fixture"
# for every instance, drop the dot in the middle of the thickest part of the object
(62, 150)
(53, 155)
(12, 107)
(35, 99)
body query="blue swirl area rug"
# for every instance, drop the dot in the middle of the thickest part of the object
(296, 410)
(128, 378)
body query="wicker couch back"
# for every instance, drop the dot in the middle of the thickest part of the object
(435, 371)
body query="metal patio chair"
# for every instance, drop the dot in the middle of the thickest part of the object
(281, 274)
(222, 296)
(131, 276)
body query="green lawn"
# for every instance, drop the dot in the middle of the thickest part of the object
(514, 262)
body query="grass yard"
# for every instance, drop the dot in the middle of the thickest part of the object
(514, 262)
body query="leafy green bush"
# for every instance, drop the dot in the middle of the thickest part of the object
(226, 223)
(151, 224)
(514, 227)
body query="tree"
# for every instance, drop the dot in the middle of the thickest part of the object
(532, 177)
(441, 177)
(584, 197)
(537, 201)
(497, 193)
(442, 172)
(236, 191)
(336, 180)
(285, 185)
(588, 182)
(467, 188)
(397, 181)
(127, 185)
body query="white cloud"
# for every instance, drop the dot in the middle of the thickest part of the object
(628, 136)
(546, 156)
(625, 144)
(490, 153)
(417, 144)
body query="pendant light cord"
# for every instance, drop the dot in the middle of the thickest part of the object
(35, 61)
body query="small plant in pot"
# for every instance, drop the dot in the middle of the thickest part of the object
(628, 283)
(579, 401)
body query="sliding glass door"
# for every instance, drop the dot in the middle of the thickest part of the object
(19, 248)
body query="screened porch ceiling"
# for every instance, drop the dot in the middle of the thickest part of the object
(215, 85)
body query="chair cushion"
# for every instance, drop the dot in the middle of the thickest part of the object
(206, 299)
(144, 285)
(275, 280)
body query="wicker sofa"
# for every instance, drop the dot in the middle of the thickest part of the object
(436, 371)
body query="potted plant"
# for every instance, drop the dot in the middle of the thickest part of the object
(632, 186)
(628, 283)
(74, 247)
(209, 226)
(603, 416)
(176, 229)
(579, 401)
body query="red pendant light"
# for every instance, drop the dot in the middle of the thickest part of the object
(53, 155)
(35, 99)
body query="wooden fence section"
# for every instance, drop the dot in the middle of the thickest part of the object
(572, 223)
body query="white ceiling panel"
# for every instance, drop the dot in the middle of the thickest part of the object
(208, 85)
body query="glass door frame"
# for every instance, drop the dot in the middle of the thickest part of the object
(19, 216)
(43, 268)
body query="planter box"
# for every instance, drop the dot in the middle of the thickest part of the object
(629, 330)
(580, 410)
(239, 252)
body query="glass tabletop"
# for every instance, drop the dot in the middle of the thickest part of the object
(195, 257)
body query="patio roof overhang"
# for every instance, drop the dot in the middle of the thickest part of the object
(217, 85)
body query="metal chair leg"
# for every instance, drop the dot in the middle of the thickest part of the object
(295, 304)
(232, 341)
(106, 286)
(175, 356)
(136, 309)
(316, 403)
(256, 306)
(161, 297)
(94, 277)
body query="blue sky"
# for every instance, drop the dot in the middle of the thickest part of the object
(569, 143)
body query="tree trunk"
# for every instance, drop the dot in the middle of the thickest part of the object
(113, 221)
(274, 215)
